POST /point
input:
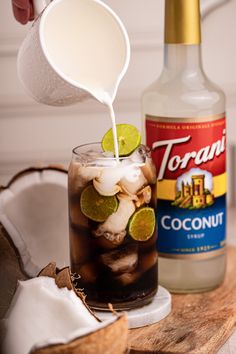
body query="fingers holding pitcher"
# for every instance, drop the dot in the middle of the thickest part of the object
(23, 10)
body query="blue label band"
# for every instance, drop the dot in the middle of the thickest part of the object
(184, 232)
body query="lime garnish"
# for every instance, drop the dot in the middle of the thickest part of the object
(95, 206)
(128, 138)
(142, 224)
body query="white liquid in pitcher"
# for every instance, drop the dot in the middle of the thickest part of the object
(90, 50)
(98, 58)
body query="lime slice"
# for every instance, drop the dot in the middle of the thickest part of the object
(128, 138)
(142, 224)
(95, 206)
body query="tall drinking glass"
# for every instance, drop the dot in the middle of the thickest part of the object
(112, 226)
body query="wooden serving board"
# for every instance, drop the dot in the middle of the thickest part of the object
(198, 323)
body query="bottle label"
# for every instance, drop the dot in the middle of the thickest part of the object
(190, 156)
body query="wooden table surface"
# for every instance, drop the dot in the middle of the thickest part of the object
(230, 346)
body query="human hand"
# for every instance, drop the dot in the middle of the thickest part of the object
(23, 10)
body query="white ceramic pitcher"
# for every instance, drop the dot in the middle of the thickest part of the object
(75, 49)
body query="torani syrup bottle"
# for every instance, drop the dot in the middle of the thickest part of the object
(184, 123)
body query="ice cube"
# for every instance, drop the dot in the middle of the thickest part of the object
(126, 279)
(80, 175)
(115, 238)
(146, 262)
(88, 272)
(122, 260)
(89, 156)
(105, 243)
(144, 196)
(107, 182)
(140, 154)
(80, 246)
(149, 170)
(76, 216)
(133, 180)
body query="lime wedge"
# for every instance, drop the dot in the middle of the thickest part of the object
(142, 224)
(95, 206)
(128, 138)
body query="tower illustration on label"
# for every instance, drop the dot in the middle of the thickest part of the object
(196, 194)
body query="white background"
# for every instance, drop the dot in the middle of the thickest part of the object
(32, 134)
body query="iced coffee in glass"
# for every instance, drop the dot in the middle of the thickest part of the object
(112, 226)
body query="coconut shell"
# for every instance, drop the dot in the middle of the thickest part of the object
(63, 279)
(10, 271)
(111, 339)
(33, 212)
(59, 168)
(49, 271)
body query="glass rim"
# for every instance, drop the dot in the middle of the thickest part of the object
(111, 158)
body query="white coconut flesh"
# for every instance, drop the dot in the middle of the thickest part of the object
(33, 211)
(41, 314)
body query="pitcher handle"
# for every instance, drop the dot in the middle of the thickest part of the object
(39, 6)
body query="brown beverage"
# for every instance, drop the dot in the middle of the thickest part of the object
(112, 226)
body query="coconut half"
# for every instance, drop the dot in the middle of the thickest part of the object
(10, 272)
(34, 214)
(48, 316)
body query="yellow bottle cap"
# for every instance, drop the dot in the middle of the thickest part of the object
(182, 22)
